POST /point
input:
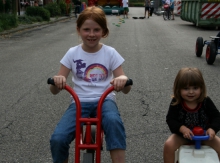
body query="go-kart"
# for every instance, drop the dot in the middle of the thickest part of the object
(211, 50)
(196, 153)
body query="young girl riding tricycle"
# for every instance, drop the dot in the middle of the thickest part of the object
(95, 67)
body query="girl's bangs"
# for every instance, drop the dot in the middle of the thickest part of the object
(190, 79)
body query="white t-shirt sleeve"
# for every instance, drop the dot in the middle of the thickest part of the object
(66, 60)
(116, 59)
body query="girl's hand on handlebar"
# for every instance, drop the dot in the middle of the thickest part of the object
(60, 81)
(211, 133)
(119, 82)
(187, 133)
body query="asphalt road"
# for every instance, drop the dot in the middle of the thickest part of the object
(154, 51)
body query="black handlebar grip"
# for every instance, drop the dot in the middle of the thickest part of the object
(129, 82)
(50, 81)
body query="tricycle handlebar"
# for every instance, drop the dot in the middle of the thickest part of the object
(51, 81)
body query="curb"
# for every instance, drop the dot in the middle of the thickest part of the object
(30, 26)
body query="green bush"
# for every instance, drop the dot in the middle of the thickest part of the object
(137, 4)
(29, 19)
(62, 6)
(24, 20)
(38, 11)
(8, 21)
(54, 9)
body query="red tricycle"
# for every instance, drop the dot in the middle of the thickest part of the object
(91, 139)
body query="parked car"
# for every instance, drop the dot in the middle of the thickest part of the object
(114, 10)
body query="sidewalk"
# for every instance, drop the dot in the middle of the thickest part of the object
(37, 24)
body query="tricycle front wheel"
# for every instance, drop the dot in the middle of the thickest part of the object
(211, 53)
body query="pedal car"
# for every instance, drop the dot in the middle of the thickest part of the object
(212, 48)
(196, 153)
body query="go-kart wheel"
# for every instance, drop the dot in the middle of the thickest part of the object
(199, 46)
(211, 53)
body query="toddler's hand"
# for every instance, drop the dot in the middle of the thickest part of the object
(187, 133)
(211, 133)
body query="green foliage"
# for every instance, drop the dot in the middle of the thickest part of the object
(29, 19)
(38, 11)
(5, 8)
(136, 4)
(62, 5)
(54, 9)
(8, 21)
(24, 20)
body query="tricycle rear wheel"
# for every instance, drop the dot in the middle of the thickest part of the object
(89, 156)
(199, 46)
(211, 53)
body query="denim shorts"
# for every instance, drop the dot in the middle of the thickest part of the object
(64, 132)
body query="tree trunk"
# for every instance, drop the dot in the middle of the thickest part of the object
(14, 7)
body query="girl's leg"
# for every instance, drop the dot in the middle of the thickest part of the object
(118, 156)
(114, 131)
(215, 144)
(170, 146)
(64, 134)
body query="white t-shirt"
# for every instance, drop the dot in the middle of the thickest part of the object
(92, 72)
(125, 3)
(167, 2)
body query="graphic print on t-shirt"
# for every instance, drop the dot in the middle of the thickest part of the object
(93, 73)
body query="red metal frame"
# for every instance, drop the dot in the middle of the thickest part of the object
(79, 144)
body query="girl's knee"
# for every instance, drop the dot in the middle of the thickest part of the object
(174, 142)
(59, 140)
(112, 121)
(168, 145)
